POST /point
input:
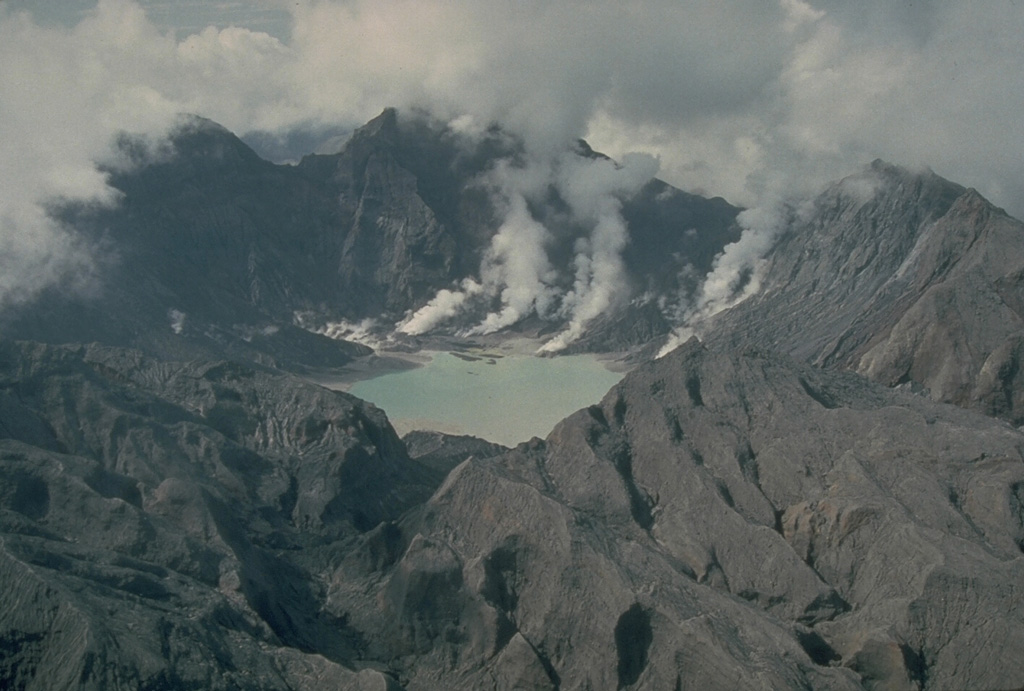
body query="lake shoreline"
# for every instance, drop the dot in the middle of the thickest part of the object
(503, 394)
(488, 350)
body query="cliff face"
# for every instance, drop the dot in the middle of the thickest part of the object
(213, 252)
(904, 277)
(717, 520)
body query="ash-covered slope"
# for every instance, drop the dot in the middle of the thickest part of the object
(717, 521)
(168, 525)
(720, 522)
(213, 252)
(902, 276)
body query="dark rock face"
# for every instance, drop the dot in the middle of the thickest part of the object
(716, 522)
(443, 452)
(213, 252)
(623, 331)
(904, 277)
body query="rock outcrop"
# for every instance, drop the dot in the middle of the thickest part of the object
(902, 276)
(215, 253)
(166, 525)
(717, 521)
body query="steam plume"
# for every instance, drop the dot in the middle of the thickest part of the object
(593, 189)
(736, 273)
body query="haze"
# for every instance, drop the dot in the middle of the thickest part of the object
(749, 100)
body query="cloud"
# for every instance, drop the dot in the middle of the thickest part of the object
(921, 84)
(746, 99)
(50, 139)
(65, 95)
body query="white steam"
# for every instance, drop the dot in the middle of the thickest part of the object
(444, 306)
(517, 265)
(593, 188)
(177, 319)
(736, 273)
(516, 270)
(363, 332)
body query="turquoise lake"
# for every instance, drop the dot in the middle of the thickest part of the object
(506, 400)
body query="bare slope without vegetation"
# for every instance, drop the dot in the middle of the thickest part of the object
(214, 252)
(176, 511)
(902, 276)
(717, 521)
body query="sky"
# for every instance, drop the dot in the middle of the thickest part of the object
(751, 100)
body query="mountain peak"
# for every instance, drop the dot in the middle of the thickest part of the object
(882, 170)
(891, 189)
(880, 165)
(196, 137)
(583, 149)
(385, 124)
(382, 129)
(973, 200)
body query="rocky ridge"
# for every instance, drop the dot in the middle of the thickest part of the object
(214, 253)
(717, 520)
(725, 517)
(902, 276)
(163, 524)
(721, 521)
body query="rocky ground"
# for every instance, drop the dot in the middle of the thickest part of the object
(717, 521)
(827, 493)
(902, 276)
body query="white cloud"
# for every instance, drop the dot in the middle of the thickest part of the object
(746, 99)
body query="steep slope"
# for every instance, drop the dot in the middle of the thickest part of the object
(167, 525)
(213, 252)
(200, 258)
(717, 522)
(902, 276)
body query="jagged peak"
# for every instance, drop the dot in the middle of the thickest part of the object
(582, 148)
(198, 137)
(190, 137)
(973, 203)
(185, 123)
(380, 131)
(881, 182)
(882, 170)
(385, 124)
(881, 166)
